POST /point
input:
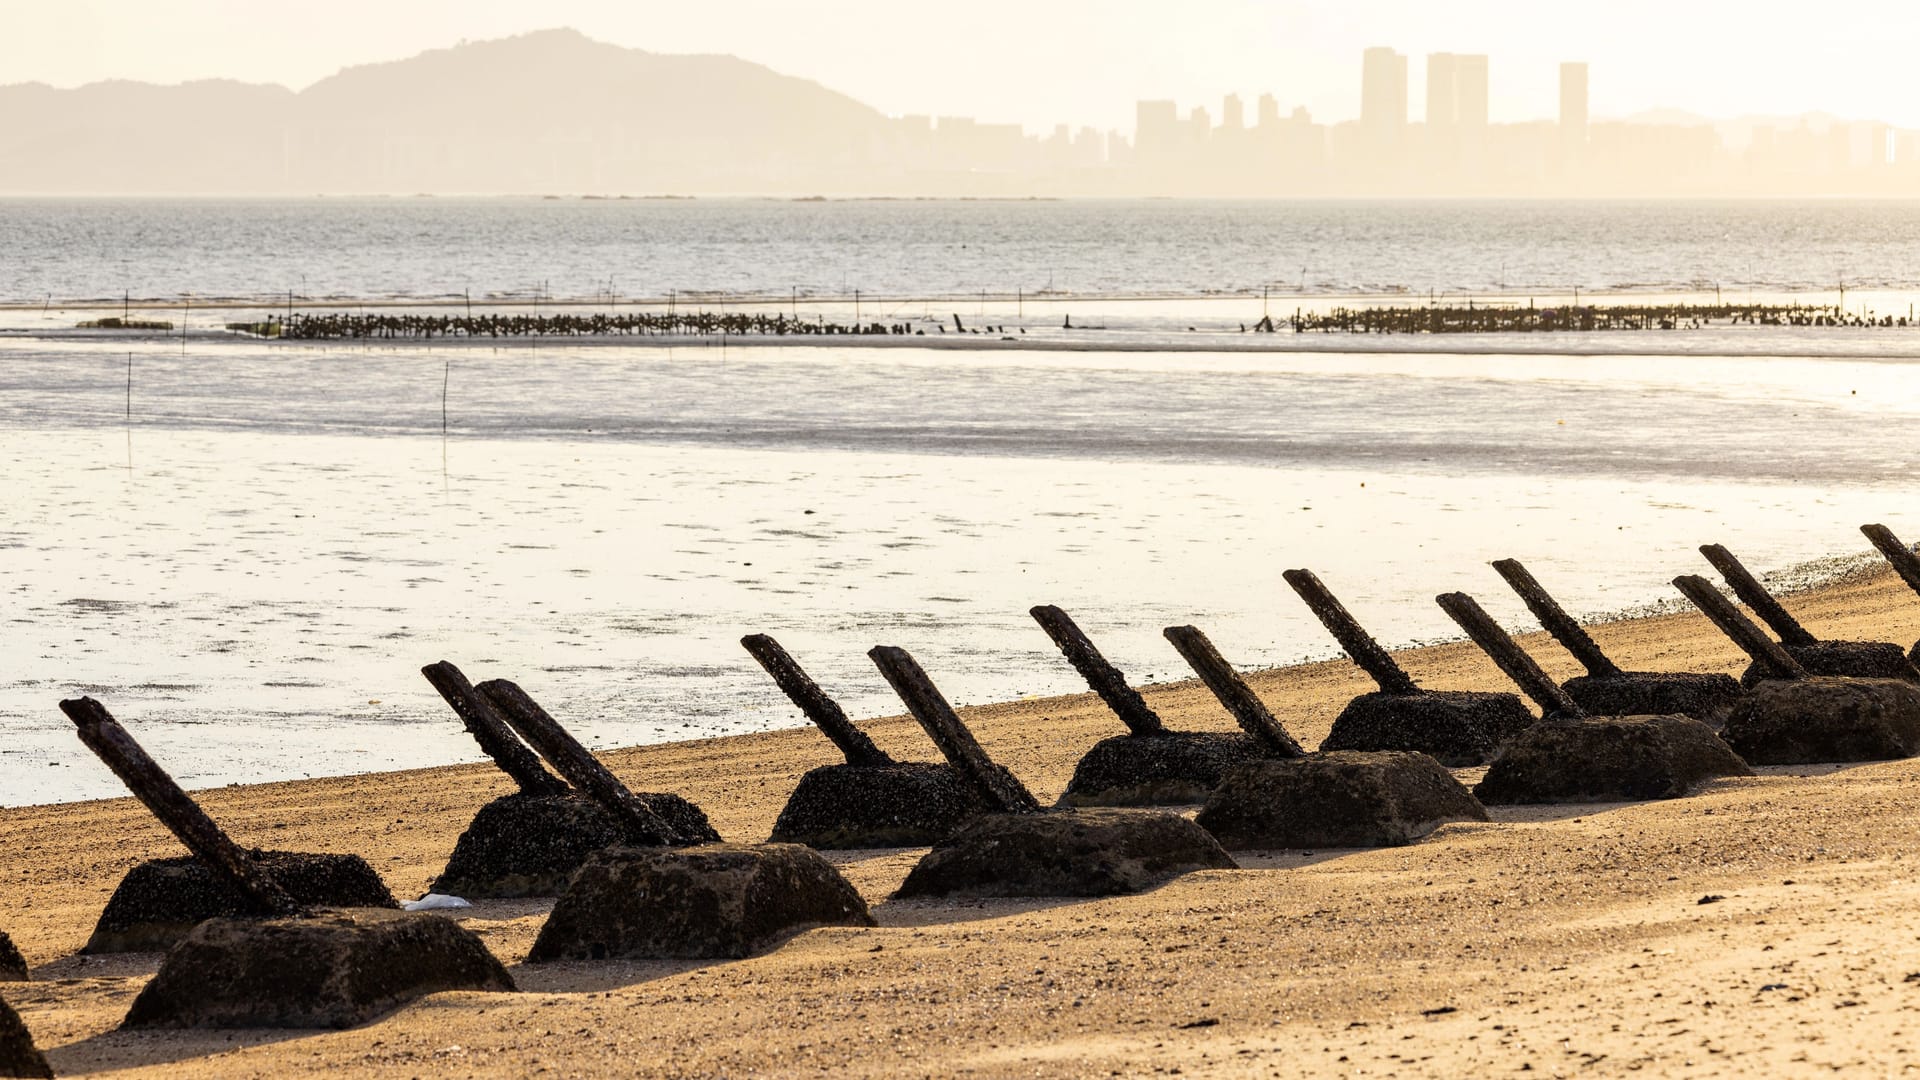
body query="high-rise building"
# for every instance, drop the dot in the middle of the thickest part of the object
(1198, 130)
(1269, 110)
(1156, 129)
(1233, 113)
(1383, 92)
(1443, 93)
(1381, 133)
(1573, 109)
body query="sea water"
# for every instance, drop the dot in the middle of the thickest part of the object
(249, 554)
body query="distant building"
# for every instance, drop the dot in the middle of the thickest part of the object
(1089, 148)
(1453, 150)
(1269, 111)
(1156, 130)
(1383, 91)
(1233, 113)
(1198, 130)
(1383, 111)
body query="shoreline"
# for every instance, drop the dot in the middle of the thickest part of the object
(1551, 932)
(1791, 581)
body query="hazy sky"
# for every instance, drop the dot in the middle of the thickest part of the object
(1043, 61)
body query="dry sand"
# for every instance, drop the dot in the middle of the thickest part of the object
(1553, 941)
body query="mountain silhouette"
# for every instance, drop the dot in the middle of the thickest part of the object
(552, 111)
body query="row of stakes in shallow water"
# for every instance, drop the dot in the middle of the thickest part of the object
(347, 325)
(1428, 319)
(288, 939)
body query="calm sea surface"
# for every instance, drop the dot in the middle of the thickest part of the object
(73, 250)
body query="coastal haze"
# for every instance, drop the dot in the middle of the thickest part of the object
(559, 111)
(580, 344)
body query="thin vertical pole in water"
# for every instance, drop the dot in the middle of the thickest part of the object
(126, 304)
(129, 424)
(856, 308)
(186, 312)
(446, 378)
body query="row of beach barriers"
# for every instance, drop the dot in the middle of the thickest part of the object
(285, 939)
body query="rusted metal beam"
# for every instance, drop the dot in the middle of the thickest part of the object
(1345, 629)
(999, 787)
(493, 734)
(1248, 710)
(175, 808)
(825, 712)
(1508, 654)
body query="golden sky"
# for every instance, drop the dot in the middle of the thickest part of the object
(1039, 62)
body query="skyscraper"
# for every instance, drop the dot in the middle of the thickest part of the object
(1198, 129)
(1269, 110)
(1383, 109)
(1233, 113)
(1156, 130)
(1383, 92)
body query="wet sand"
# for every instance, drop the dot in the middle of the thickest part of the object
(1558, 940)
(253, 568)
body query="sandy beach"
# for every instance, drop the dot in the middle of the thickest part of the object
(1764, 926)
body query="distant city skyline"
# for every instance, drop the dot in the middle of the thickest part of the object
(558, 111)
(1176, 148)
(1069, 61)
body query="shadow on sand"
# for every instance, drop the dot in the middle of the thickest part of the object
(111, 1051)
